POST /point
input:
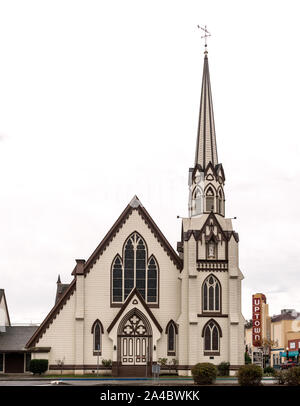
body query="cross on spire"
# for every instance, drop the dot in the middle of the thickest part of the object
(206, 34)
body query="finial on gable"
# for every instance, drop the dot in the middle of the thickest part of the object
(135, 202)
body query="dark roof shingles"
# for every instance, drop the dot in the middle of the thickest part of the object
(16, 337)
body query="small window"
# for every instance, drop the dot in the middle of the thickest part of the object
(198, 201)
(209, 203)
(97, 340)
(209, 198)
(211, 250)
(97, 331)
(171, 331)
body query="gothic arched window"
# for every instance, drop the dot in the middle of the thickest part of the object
(152, 281)
(134, 271)
(171, 331)
(211, 294)
(97, 331)
(117, 277)
(209, 199)
(198, 201)
(220, 203)
(211, 334)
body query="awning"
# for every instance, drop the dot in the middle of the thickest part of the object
(290, 354)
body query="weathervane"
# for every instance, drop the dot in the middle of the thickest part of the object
(206, 34)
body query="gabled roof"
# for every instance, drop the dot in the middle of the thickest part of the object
(136, 293)
(134, 204)
(15, 338)
(52, 315)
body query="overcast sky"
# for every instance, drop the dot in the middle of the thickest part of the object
(99, 101)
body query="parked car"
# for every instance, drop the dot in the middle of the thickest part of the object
(288, 364)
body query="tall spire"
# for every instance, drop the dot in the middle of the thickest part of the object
(206, 179)
(206, 147)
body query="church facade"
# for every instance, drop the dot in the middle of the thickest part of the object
(136, 300)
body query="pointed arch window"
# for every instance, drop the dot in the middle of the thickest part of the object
(97, 331)
(211, 334)
(152, 281)
(220, 203)
(134, 271)
(171, 331)
(197, 201)
(209, 199)
(211, 294)
(117, 277)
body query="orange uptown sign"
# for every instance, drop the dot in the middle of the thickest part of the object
(256, 321)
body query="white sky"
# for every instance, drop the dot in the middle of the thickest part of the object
(99, 101)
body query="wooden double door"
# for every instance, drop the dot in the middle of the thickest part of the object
(134, 345)
(134, 350)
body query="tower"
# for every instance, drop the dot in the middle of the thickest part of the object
(211, 318)
(206, 178)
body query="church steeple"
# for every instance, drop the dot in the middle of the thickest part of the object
(206, 147)
(206, 179)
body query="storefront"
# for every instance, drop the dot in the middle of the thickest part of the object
(290, 355)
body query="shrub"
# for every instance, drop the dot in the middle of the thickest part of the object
(38, 366)
(223, 369)
(293, 376)
(249, 375)
(269, 371)
(281, 376)
(106, 362)
(204, 373)
(162, 361)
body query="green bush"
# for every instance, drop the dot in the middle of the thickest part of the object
(293, 376)
(247, 358)
(281, 376)
(269, 371)
(223, 369)
(249, 375)
(106, 362)
(38, 366)
(204, 373)
(162, 361)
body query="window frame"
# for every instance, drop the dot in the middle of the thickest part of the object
(206, 297)
(174, 326)
(97, 324)
(137, 237)
(215, 327)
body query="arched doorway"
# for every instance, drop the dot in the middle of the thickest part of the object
(134, 345)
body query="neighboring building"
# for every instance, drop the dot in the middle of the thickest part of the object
(283, 334)
(14, 358)
(136, 300)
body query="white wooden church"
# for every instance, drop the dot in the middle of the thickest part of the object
(136, 300)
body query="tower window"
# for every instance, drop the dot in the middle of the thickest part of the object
(211, 250)
(211, 334)
(211, 293)
(209, 199)
(197, 201)
(220, 203)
